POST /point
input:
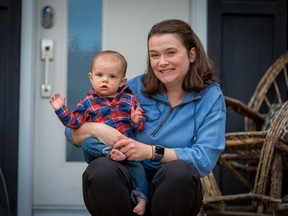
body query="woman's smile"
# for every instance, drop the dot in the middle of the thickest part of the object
(169, 70)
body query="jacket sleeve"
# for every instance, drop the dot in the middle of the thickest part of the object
(72, 119)
(210, 140)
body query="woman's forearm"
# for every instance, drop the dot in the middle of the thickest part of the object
(82, 133)
(169, 155)
(106, 134)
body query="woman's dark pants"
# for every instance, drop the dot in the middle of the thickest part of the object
(174, 190)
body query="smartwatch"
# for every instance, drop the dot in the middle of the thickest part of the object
(158, 153)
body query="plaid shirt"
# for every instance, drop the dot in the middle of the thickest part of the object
(94, 108)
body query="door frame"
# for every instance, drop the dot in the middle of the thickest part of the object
(26, 109)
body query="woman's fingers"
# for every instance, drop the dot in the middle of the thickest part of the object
(121, 143)
(132, 149)
(126, 147)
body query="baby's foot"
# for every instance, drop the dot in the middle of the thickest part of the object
(117, 155)
(140, 207)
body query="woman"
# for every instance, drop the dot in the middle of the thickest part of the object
(184, 134)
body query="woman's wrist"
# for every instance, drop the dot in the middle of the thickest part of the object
(157, 153)
(160, 153)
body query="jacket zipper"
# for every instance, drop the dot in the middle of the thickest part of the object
(169, 114)
(163, 122)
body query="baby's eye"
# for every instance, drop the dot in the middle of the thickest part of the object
(112, 76)
(99, 75)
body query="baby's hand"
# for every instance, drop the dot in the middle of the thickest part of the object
(136, 115)
(57, 101)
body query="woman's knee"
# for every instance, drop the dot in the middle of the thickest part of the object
(179, 171)
(102, 176)
(103, 171)
(176, 179)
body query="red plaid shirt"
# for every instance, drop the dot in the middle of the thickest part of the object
(94, 108)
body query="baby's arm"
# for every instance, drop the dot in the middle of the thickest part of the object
(57, 101)
(69, 119)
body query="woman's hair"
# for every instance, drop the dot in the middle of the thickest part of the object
(200, 71)
(115, 56)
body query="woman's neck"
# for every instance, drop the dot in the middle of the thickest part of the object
(175, 96)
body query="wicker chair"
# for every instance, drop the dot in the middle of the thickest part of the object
(255, 157)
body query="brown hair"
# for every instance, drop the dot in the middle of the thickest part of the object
(116, 55)
(200, 71)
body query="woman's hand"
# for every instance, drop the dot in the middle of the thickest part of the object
(134, 150)
(138, 151)
(106, 134)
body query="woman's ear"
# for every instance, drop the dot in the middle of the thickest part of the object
(192, 54)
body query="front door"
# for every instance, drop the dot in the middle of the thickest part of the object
(56, 182)
(62, 64)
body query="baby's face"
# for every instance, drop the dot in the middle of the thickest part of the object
(107, 76)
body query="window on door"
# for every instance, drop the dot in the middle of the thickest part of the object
(84, 41)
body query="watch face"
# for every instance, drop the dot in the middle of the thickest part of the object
(159, 150)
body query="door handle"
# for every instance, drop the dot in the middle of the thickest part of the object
(47, 48)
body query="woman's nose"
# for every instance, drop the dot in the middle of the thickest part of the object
(163, 61)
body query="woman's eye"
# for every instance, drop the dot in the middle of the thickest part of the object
(171, 53)
(153, 55)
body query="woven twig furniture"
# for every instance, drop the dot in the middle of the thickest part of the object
(255, 158)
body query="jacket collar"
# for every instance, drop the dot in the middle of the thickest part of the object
(191, 96)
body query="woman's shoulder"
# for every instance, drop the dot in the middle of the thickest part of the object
(214, 96)
(136, 86)
(135, 80)
(135, 83)
(213, 88)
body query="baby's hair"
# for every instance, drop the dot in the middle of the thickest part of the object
(115, 55)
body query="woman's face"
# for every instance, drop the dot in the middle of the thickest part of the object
(169, 59)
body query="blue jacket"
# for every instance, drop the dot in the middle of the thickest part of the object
(195, 129)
